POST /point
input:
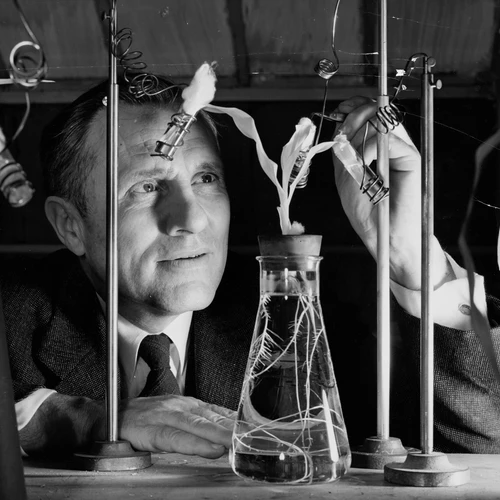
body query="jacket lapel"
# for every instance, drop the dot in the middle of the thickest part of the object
(74, 348)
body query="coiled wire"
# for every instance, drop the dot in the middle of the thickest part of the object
(28, 67)
(140, 82)
(388, 117)
(392, 115)
(325, 68)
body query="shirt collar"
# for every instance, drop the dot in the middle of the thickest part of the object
(130, 337)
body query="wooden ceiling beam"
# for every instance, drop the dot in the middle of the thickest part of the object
(279, 89)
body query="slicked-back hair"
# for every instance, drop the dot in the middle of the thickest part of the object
(67, 160)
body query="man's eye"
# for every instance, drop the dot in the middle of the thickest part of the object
(145, 187)
(207, 178)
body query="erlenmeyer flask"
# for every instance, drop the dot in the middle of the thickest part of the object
(290, 427)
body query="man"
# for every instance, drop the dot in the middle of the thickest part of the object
(173, 227)
(173, 230)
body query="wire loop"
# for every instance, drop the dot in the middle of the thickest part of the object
(28, 66)
(326, 68)
(388, 118)
(140, 82)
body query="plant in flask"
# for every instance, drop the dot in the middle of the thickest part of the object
(289, 427)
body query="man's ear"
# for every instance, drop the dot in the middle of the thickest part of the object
(67, 223)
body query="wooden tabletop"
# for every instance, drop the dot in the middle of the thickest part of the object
(174, 476)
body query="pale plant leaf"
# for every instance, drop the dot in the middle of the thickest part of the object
(300, 140)
(286, 226)
(246, 125)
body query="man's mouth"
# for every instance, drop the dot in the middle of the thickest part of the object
(190, 257)
(186, 255)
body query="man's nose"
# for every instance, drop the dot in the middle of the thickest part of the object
(183, 213)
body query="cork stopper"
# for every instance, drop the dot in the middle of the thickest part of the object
(290, 245)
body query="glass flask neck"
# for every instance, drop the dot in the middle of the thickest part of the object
(289, 275)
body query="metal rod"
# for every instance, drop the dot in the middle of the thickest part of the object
(427, 325)
(383, 269)
(383, 48)
(111, 238)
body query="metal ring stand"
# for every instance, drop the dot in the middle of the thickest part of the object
(427, 468)
(112, 454)
(382, 449)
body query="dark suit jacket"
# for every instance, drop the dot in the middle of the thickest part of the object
(57, 335)
(466, 391)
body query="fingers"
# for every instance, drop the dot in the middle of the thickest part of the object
(183, 442)
(359, 110)
(177, 423)
(214, 428)
(225, 419)
(403, 156)
(353, 103)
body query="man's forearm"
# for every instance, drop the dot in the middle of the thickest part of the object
(63, 424)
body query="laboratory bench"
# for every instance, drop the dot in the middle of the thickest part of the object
(174, 476)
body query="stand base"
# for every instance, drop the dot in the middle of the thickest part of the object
(376, 452)
(431, 469)
(112, 456)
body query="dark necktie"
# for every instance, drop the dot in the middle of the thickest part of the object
(155, 351)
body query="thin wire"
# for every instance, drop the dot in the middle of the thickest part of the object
(17, 68)
(142, 83)
(323, 111)
(486, 204)
(326, 69)
(365, 136)
(334, 25)
(25, 22)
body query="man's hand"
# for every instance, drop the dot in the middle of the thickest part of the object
(404, 196)
(64, 424)
(177, 424)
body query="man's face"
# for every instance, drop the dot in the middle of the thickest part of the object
(173, 217)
